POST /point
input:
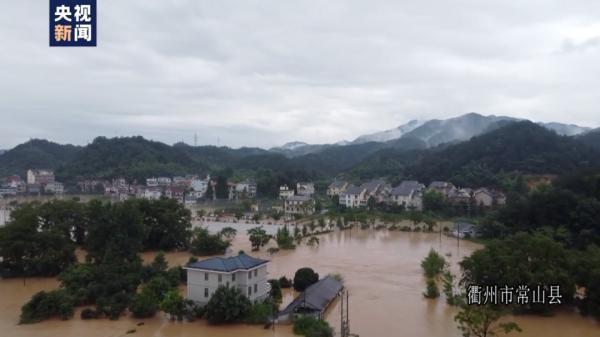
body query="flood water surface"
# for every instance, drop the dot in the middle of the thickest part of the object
(380, 269)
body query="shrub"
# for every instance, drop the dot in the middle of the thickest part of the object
(227, 305)
(144, 305)
(44, 305)
(260, 313)
(304, 277)
(285, 282)
(311, 327)
(204, 243)
(433, 264)
(432, 289)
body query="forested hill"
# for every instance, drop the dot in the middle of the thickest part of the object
(522, 147)
(129, 157)
(591, 138)
(518, 147)
(36, 153)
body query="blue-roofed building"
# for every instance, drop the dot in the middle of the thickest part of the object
(247, 273)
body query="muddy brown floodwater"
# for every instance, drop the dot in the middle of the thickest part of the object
(381, 270)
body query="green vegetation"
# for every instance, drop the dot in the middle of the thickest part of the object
(304, 277)
(227, 305)
(40, 239)
(433, 264)
(258, 237)
(311, 327)
(284, 239)
(44, 305)
(555, 243)
(482, 321)
(432, 290)
(204, 243)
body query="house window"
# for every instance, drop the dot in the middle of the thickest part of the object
(220, 278)
(255, 288)
(205, 276)
(249, 291)
(249, 275)
(205, 292)
(255, 272)
(227, 283)
(233, 277)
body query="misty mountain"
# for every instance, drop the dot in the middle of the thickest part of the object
(432, 133)
(565, 129)
(387, 135)
(523, 147)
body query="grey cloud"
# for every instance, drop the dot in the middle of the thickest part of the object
(263, 72)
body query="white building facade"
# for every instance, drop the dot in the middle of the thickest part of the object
(245, 272)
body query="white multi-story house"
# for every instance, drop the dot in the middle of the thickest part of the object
(245, 189)
(337, 187)
(199, 186)
(41, 177)
(285, 192)
(245, 272)
(408, 194)
(151, 182)
(54, 187)
(299, 204)
(305, 188)
(164, 181)
(354, 196)
(152, 193)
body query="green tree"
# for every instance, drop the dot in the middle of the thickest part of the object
(311, 327)
(28, 250)
(304, 277)
(44, 305)
(167, 224)
(284, 239)
(222, 190)
(229, 233)
(204, 243)
(144, 305)
(258, 237)
(482, 321)
(433, 264)
(432, 289)
(227, 305)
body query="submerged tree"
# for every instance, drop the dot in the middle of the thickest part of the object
(482, 321)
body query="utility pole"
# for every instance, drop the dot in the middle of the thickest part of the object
(345, 315)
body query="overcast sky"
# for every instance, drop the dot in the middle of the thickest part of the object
(265, 72)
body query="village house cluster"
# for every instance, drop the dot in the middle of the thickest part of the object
(409, 194)
(37, 182)
(185, 189)
(299, 201)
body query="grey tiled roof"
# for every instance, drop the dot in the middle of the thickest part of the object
(229, 264)
(406, 188)
(373, 185)
(337, 184)
(317, 296)
(440, 184)
(298, 198)
(353, 189)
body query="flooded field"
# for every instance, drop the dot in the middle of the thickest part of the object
(381, 270)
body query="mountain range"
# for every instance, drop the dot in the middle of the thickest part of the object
(433, 132)
(495, 146)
